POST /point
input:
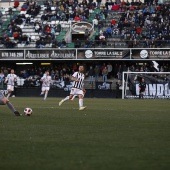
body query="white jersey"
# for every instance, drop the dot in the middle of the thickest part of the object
(79, 76)
(11, 79)
(46, 81)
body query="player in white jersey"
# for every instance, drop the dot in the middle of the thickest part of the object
(5, 101)
(10, 80)
(46, 82)
(77, 88)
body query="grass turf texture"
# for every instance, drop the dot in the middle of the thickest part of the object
(109, 134)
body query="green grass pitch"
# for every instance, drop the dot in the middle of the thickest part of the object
(111, 134)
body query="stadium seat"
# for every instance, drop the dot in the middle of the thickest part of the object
(33, 38)
(53, 22)
(20, 45)
(53, 8)
(23, 12)
(27, 15)
(57, 22)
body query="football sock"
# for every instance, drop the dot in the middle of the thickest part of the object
(11, 107)
(8, 95)
(67, 98)
(80, 102)
(45, 96)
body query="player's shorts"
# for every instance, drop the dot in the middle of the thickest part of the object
(75, 91)
(10, 87)
(1, 97)
(45, 88)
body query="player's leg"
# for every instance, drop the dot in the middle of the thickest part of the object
(139, 94)
(80, 101)
(142, 94)
(73, 97)
(10, 89)
(46, 93)
(5, 101)
(81, 95)
(72, 93)
(76, 96)
(65, 99)
(42, 91)
(13, 93)
(9, 94)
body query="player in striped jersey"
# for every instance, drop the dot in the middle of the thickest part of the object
(10, 80)
(46, 81)
(77, 87)
(4, 100)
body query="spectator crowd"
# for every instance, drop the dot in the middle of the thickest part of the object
(139, 24)
(94, 72)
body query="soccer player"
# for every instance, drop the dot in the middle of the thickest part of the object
(142, 88)
(77, 87)
(46, 81)
(5, 101)
(10, 80)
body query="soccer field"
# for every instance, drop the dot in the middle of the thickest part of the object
(110, 134)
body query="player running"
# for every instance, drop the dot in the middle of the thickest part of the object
(5, 101)
(10, 80)
(77, 87)
(46, 81)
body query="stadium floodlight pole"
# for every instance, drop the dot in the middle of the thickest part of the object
(123, 80)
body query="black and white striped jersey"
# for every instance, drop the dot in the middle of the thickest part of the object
(79, 76)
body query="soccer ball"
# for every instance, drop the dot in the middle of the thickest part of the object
(28, 111)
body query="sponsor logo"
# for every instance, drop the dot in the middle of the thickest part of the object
(143, 54)
(53, 54)
(35, 55)
(81, 27)
(155, 90)
(147, 97)
(62, 54)
(88, 53)
(104, 86)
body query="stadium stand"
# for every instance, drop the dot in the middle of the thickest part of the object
(47, 24)
(120, 24)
